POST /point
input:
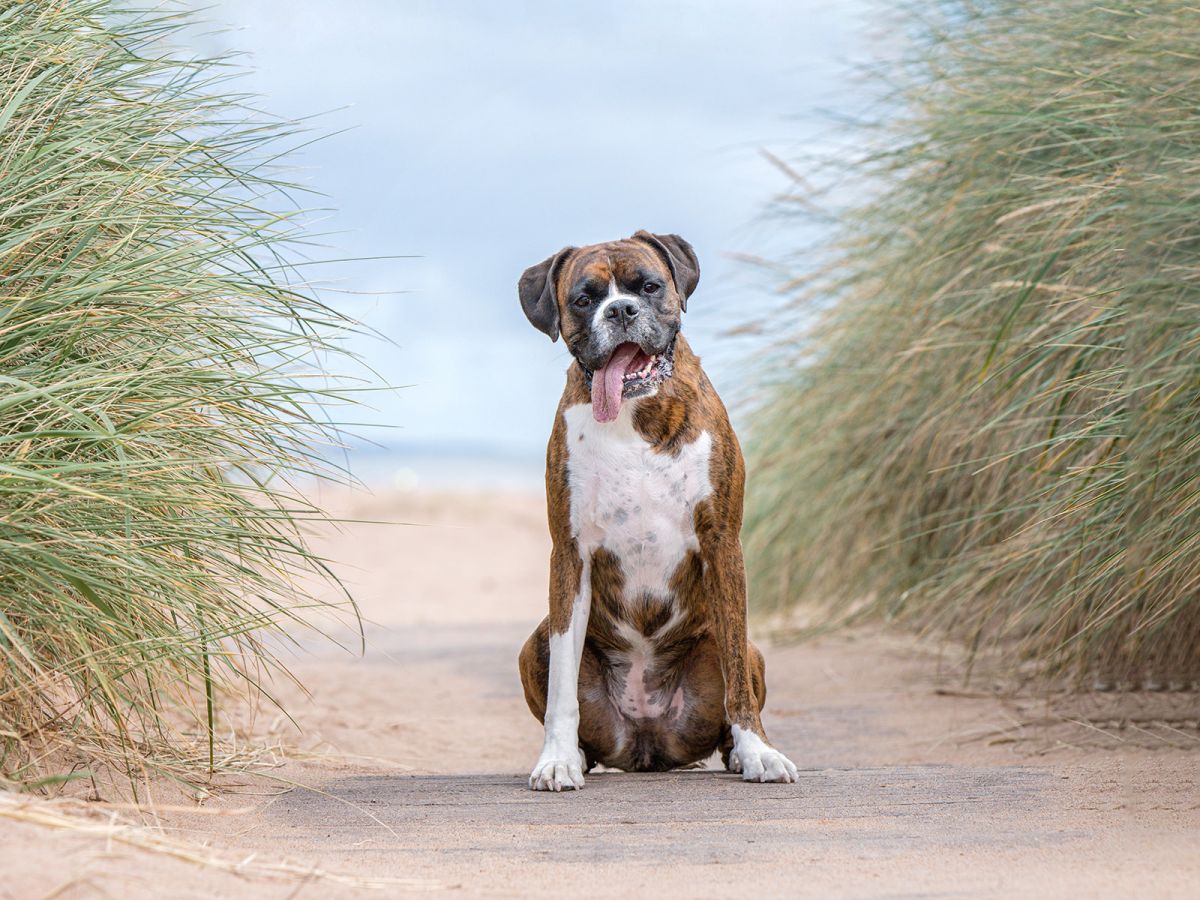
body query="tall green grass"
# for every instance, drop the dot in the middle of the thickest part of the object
(989, 426)
(160, 372)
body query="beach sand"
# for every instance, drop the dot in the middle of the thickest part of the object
(413, 759)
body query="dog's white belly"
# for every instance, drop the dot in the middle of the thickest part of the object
(632, 501)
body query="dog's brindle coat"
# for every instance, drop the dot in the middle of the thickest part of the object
(643, 663)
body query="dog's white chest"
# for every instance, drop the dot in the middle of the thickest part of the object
(632, 501)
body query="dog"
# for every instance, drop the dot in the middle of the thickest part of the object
(643, 663)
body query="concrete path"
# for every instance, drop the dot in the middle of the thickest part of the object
(414, 759)
(910, 786)
(695, 817)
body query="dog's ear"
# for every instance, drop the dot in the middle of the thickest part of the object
(680, 259)
(539, 298)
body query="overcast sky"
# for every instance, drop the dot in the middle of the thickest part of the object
(484, 136)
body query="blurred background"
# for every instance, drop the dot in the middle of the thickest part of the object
(479, 138)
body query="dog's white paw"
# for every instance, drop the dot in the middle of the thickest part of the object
(557, 770)
(757, 760)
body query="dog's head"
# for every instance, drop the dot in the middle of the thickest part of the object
(617, 306)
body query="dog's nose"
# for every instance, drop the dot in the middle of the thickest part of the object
(625, 310)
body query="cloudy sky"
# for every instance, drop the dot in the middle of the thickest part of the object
(484, 136)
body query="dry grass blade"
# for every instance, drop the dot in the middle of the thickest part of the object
(76, 818)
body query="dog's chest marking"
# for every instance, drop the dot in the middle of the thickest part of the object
(640, 506)
(634, 502)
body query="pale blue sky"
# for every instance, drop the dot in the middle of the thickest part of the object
(486, 135)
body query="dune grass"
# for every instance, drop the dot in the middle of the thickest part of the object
(988, 426)
(160, 384)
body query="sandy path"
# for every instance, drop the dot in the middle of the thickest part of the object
(905, 790)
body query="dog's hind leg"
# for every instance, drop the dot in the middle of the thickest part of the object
(758, 675)
(534, 665)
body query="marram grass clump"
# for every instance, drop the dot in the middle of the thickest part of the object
(159, 382)
(990, 426)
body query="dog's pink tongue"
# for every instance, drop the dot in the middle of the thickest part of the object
(608, 382)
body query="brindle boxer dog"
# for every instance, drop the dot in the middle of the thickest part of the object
(643, 663)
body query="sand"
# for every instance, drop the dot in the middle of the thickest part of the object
(414, 759)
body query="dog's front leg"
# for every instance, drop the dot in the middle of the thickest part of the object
(752, 756)
(562, 763)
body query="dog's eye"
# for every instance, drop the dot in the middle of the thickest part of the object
(651, 287)
(583, 301)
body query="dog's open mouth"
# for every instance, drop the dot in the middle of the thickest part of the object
(630, 372)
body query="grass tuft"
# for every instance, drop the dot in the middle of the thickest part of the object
(161, 383)
(988, 425)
